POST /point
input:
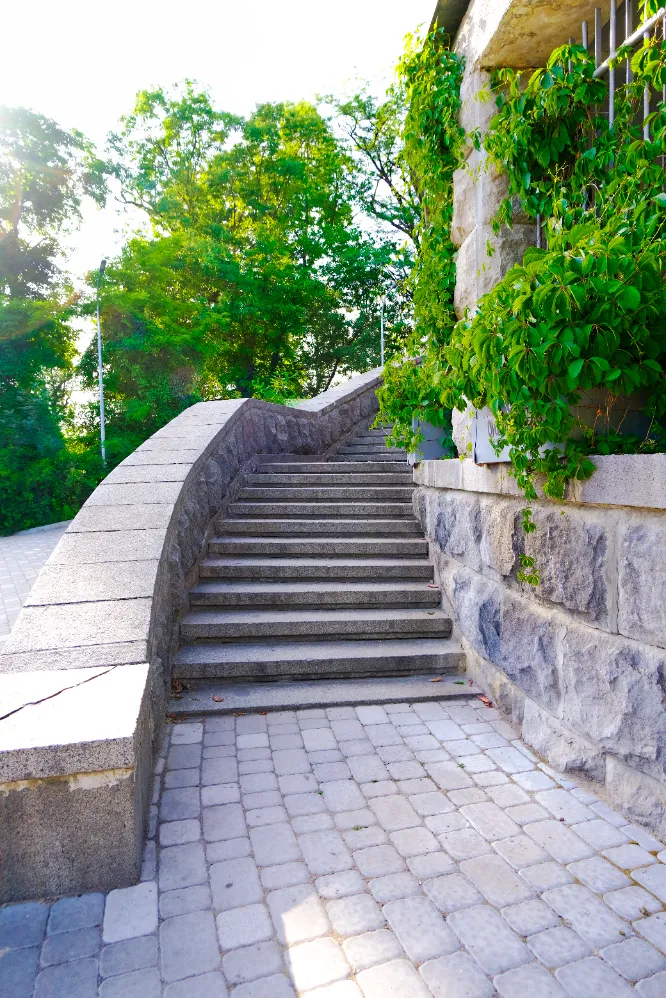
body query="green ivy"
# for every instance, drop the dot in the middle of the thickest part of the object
(432, 151)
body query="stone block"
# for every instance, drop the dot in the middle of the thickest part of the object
(188, 946)
(563, 748)
(641, 579)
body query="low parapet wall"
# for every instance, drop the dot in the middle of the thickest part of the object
(86, 671)
(580, 660)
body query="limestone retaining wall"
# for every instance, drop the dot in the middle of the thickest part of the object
(86, 671)
(579, 661)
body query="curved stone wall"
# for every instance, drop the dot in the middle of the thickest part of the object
(580, 661)
(85, 673)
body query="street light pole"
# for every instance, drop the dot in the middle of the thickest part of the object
(381, 324)
(100, 376)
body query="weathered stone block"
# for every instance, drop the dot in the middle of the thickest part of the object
(638, 795)
(564, 749)
(642, 579)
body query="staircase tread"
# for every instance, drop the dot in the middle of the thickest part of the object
(315, 650)
(269, 696)
(242, 585)
(305, 560)
(230, 616)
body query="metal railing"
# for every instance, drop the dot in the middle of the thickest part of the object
(606, 39)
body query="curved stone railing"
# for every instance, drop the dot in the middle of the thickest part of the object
(86, 671)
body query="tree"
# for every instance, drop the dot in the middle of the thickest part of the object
(45, 172)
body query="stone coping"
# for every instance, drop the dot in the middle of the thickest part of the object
(633, 480)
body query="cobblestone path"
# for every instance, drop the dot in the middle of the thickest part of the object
(21, 558)
(405, 851)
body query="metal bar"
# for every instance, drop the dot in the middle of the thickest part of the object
(646, 100)
(539, 233)
(628, 29)
(611, 69)
(586, 36)
(381, 319)
(637, 36)
(597, 38)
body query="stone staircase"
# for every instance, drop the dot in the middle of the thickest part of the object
(320, 571)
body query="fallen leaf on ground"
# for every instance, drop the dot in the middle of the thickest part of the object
(171, 718)
(218, 699)
(238, 713)
(437, 679)
(486, 700)
(431, 585)
(263, 713)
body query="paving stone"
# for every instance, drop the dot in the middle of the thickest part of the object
(265, 816)
(442, 823)
(188, 946)
(226, 821)
(218, 852)
(181, 902)
(600, 834)
(394, 753)
(557, 839)
(314, 964)
(302, 823)
(298, 783)
(432, 755)
(383, 734)
(138, 984)
(286, 741)
(427, 804)
(653, 878)
(534, 780)
(655, 987)
(372, 715)
(634, 959)
(393, 887)
(276, 986)
(491, 942)
(127, 956)
(564, 805)
(266, 798)
(18, 969)
(498, 883)
(526, 982)
(448, 775)
(325, 852)
(250, 768)
(257, 782)
(397, 979)
(252, 724)
(338, 885)
(599, 875)
(357, 747)
(330, 771)
(477, 764)
(530, 917)
(214, 771)
(421, 930)
(521, 851)
(378, 788)
(66, 915)
(462, 747)
(244, 926)
(180, 803)
(630, 856)
(410, 770)
(432, 864)
(352, 915)
(252, 962)
(316, 739)
(182, 866)
(545, 876)
(174, 833)
(283, 875)
(223, 793)
(130, 912)
(378, 861)
(509, 795)
(288, 762)
(359, 818)
(274, 844)
(414, 841)
(361, 838)
(653, 929)
(592, 977)
(259, 740)
(65, 946)
(342, 795)
(325, 755)
(451, 892)
(297, 914)
(394, 813)
(456, 976)
(643, 838)
(524, 813)
(346, 729)
(235, 884)
(421, 742)
(205, 986)
(490, 820)
(70, 980)
(371, 948)
(587, 915)
(420, 786)
(368, 767)
(182, 778)
(631, 903)
(465, 843)
(218, 738)
(472, 795)
(557, 946)
(184, 756)
(510, 760)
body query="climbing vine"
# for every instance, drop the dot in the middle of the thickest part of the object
(432, 151)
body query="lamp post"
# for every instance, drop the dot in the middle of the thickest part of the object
(100, 376)
(381, 326)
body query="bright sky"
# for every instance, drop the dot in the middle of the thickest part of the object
(81, 62)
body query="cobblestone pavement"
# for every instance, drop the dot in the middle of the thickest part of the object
(21, 557)
(406, 851)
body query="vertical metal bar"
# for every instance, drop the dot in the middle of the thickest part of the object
(586, 36)
(572, 41)
(597, 37)
(381, 342)
(646, 99)
(628, 29)
(611, 71)
(539, 233)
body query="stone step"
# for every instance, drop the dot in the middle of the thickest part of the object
(388, 457)
(315, 568)
(351, 624)
(403, 547)
(316, 595)
(320, 510)
(363, 526)
(317, 659)
(327, 493)
(340, 467)
(357, 479)
(203, 699)
(371, 448)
